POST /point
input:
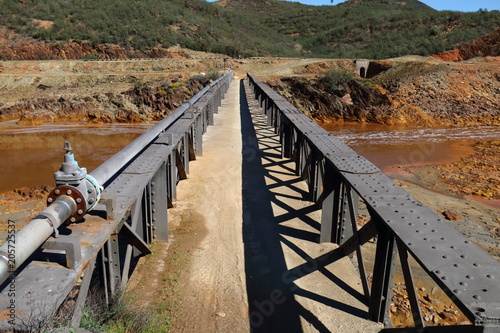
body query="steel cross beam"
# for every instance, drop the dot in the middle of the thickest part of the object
(466, 273)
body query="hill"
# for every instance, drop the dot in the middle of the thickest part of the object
(353, 29)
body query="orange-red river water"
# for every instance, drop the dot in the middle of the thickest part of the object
(29, 155)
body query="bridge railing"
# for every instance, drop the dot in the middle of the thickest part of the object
(138, 186)
(339, 180)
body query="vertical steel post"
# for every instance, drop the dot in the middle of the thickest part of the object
(211, 110)
(82, 294)
(330, 206)
(135, 216)
(217, 101)
(287, 140)
(348, 213)
(270, 113)
(319, 181)
(311, 164)
(352, 200)
(204, 115)
(159, 202)
(278, 123)
(113, 263)
(198, 135)
(300, 157)
(103, 261)
(383, 278)
(146, 214)
(185, 151)
(410, 286)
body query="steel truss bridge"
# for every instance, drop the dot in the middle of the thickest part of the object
(122, 206)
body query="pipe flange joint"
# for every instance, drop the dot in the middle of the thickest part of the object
(76, 195)
(94, 191)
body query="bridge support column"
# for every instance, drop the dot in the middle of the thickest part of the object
(211, 110)
(348, 213)
(311, 164)
(383, 278)
(287, 140)
(172, 176)
(198, 136)
(265, 105)
(184, 151)
(147, 214)
(320, 172)
(217, 101)
(270, 114)
(300, 157)
(204, 118)
(137, 228)
(330, 206)
(278, 122)
(109, 266)
(82, 295)
(159, 203)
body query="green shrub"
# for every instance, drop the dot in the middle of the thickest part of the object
(336, 77)
(367, 29)
(138, 85)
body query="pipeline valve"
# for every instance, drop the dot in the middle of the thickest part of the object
(73, 181)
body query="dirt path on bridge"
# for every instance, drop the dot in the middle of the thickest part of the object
(213, 291)
(207, 235)
(248, 241)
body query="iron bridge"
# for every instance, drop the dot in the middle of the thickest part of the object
(97, 223)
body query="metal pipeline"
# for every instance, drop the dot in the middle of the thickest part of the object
(63, 206)
(34, 234)
(109, 168)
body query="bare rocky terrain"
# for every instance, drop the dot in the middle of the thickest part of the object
(407, 91)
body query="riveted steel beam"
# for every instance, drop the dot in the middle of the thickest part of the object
(465, 272)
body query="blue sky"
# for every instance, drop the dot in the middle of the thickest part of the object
(460, 5)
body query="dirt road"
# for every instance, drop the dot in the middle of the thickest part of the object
(253, 240)
(214, 297)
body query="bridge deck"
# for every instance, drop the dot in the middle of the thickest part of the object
(255, 266)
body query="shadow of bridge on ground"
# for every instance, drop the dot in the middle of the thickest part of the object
(281, 230)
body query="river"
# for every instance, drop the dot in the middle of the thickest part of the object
(31, 154)
(387, 146)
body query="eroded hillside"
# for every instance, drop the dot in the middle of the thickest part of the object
(424, 92)
(411, 90)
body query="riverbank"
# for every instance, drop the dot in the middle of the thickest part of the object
(466, 192)
(445, 189)
(406, 91)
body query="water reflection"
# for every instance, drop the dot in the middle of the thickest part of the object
(31, 154)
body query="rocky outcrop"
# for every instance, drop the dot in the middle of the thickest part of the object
(354, 101)
(488, 45)
(477, 174)
(141, 103)
(16, 47)
(420, 93)
(451, 94)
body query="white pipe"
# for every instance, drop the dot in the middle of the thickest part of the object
(15, 250)
(35, 233)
